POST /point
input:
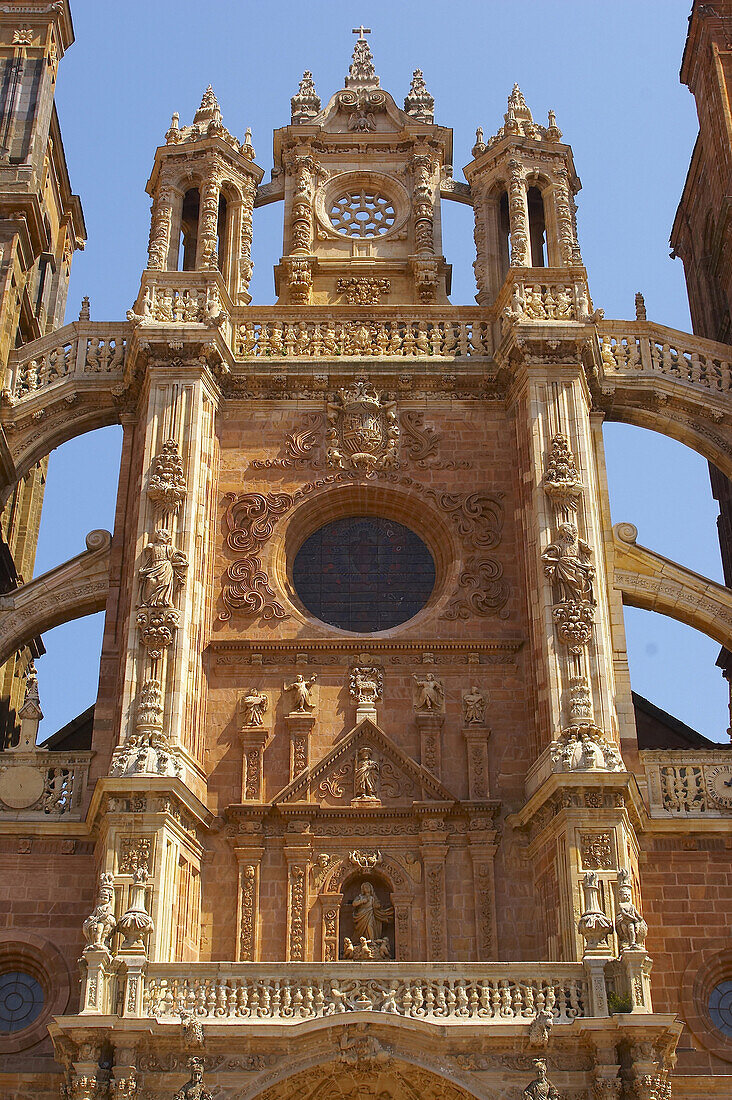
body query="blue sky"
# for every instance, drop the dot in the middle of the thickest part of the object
(609, 70)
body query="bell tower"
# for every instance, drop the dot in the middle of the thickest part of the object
(360, 181)
(523, 184)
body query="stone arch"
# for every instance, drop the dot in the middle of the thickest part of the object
(72, 590)
(653, 583)
(366, 1064)
(700, 431)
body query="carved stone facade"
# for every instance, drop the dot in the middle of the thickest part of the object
(338, 834)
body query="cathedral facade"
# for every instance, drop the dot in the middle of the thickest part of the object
(366, 807)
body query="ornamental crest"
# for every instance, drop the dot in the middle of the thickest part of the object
(363, 429)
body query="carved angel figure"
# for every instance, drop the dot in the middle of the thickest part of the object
(254, 707)
(369, 916)
(194, 1088)
(164, 571)
(303, 694)
(541, 1088)
(474, 707)
(629, 924)
(100, 924)
(430, 693)
(366, 775)
(567, 562)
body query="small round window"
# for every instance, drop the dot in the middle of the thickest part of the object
(720, 1007)
(362, 213)
(21, 1000)
(364, 573)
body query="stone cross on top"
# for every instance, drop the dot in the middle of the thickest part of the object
(361, 31)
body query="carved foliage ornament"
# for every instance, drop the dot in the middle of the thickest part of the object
(167, 486)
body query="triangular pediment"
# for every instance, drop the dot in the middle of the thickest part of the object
(396, 778)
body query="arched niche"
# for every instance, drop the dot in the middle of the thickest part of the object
(337, 889)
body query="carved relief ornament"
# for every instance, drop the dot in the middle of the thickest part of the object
(363, 429)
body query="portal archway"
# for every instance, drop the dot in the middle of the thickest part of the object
(365, 1068)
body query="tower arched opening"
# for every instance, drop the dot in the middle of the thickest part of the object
(190, 213)
(537, 227)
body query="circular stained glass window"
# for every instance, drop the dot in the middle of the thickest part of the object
(362, 213)
(21, 1000)
(364, 574)
(720, 1007)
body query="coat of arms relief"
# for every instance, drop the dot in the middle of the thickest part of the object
(363, 429)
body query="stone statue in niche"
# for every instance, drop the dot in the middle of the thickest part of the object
(303, 692)
(474, 707)
(567, 562)
(629, 924)
(430, 693)
(164, 572)
(100, 924)
(369, 919)
(254, 706)
(366, 776)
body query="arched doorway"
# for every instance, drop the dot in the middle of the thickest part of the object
(365, 1069)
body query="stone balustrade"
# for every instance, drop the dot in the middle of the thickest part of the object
(281, 333)
(42, 785)
(84, 349)
(446, 993)
(688, 783)
(631, 349)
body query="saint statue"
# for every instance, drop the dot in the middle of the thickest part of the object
(567, 562)
(163, 572)
(430, 693)
(629, 924)
(366, 775)
(303, 694)
(254, 704)
(474, 707)
(101, 922)
(369, 916)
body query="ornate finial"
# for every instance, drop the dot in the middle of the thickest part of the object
(553, 133)
(517, 103)
(419, 103)
(593, 925)
(32, 703)
(173, 135)
(247, 147)
(305, 103)
(209, 111)
(480, 146)
(85, 311)
(362, 73)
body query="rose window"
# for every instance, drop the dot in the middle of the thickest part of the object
(21, 1000)
(720, 1007)
(362, 213)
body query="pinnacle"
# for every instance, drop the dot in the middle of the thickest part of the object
(362, 73)
(209, 109)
